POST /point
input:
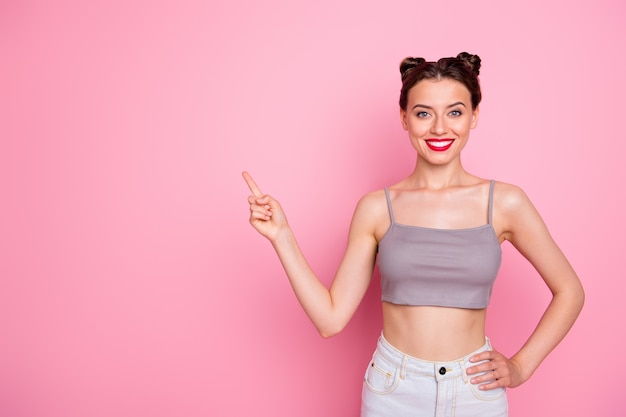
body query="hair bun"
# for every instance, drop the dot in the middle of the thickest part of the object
(408, 64)
(472, 61)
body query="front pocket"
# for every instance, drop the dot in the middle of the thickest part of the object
(381, 377)
(487, 395)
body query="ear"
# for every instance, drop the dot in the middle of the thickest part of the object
(475, 117)
(403, 119)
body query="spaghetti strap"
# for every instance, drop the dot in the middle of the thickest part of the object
(491, 184)
(389, 205)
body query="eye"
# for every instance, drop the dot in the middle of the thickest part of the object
(455, 113)
(422, 114)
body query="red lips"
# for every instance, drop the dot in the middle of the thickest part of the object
(439, 145)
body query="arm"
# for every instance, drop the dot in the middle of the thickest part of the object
(523, 227)
(329, 309)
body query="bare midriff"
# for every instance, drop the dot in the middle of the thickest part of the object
(434, 333)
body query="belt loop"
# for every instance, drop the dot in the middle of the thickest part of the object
(464, 371)
(405, 359)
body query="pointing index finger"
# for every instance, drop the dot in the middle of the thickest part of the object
(251, 184)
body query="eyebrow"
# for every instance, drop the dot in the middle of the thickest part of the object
(429, 107)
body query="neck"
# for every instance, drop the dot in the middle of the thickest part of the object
(426, 175)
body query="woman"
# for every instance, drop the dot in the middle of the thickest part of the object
(436, 235)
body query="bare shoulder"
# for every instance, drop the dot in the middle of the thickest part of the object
(372, 204)
(513, 211)
(372, 213)
(508, 197)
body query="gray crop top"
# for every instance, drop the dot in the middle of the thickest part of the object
(422, 266)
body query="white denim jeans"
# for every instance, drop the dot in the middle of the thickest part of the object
(399, 385)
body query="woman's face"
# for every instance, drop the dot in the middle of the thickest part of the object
(439, 118)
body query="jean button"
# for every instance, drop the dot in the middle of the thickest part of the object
(442, 371)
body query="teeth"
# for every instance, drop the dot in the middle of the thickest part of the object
(439, 144)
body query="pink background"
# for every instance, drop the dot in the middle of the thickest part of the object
(131, 283)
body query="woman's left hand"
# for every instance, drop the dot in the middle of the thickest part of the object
(497, 372)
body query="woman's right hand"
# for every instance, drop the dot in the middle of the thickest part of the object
(329, 309)
(266, 214)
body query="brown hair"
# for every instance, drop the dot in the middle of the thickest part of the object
(464, 69)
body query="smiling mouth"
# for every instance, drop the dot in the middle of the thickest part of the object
(439, 145)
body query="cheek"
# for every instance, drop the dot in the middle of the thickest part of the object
(417, 131)
(418, 126)
(464, 126)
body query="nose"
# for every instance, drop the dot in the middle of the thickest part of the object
(439, 126)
